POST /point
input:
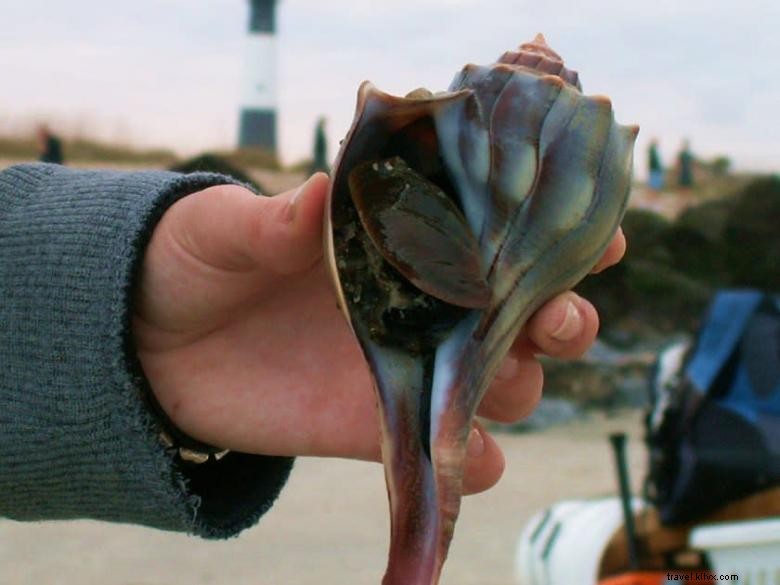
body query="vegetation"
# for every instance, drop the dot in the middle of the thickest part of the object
(212, 163)
(671, 269)
(82, 150)
(86, 150)
(255, 158)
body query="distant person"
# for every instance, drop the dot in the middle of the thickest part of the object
(685, 166)
(655, 167)
(49, 146)
(320, 158)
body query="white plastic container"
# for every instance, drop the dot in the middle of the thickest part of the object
(563, 544)
(750, 550)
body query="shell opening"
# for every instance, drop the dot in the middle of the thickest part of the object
(391, 298)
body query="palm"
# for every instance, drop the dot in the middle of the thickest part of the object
(237, 329)
(247, 358)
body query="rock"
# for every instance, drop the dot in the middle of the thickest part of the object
(606, 377)
(671, 270)
(549, 413)
(709, 219)
(663, 286)
(645, 231)
(752, 236)
(631, 391)
(211, 163)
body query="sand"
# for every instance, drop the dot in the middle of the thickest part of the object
(329, 526)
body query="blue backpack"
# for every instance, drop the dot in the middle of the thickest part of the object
(713, 431)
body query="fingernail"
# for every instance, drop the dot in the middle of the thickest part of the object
(475, 446)
(292, 205)
(509, 369)
(571, 326)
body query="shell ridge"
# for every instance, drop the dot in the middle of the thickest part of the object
(556, 247)
(521, 215)
(567, 134)
(615, 174)
(488, 120)
(466, 160)
(619, 140)
(448, 121)
(484, 235)
(568, 181)
(532, 91)
(614, 131)
(556, 122)
(615, 134)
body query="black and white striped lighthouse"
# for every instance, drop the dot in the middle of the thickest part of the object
(258, 106)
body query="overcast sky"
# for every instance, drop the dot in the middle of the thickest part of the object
(168, 72)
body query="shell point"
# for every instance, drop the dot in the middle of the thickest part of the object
(632, 129)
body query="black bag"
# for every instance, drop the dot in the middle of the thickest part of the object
(713, 431)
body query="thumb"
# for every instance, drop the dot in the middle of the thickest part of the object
(285, 232)
(229, 228)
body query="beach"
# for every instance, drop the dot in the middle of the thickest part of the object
(330, 524)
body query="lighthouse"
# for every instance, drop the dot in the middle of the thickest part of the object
(258, 107)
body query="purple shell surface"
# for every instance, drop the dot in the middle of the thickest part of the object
(451, 219)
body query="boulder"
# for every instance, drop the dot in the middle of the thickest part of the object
(212, 163)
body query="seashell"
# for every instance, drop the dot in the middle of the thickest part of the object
(451, 218)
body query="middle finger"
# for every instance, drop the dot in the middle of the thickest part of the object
(515, 392)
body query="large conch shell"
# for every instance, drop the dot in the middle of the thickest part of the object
(451, 218)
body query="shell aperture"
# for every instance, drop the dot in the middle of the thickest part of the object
(419, 231)
(451, 218)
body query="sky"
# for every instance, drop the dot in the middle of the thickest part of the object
(168, 72)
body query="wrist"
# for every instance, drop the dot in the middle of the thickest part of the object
(180, 443)
(170, 434)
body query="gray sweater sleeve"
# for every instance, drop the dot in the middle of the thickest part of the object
(76, 439)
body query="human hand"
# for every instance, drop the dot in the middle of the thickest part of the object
(236, 327)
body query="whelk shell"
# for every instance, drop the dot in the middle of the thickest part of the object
(451, 218)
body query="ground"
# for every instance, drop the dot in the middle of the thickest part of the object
(330, 524)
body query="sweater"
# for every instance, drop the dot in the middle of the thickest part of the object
(77, 439)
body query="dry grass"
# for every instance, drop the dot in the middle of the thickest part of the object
(87, 150)
(92, 151)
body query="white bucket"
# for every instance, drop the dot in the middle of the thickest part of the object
(563, 545)
(750, 550)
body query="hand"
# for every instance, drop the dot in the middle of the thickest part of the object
(237, 330)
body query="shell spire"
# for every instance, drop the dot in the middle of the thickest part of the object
(539, 45)
(539, 56)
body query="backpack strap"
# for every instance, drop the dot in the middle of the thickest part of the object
(723, 328)
(760, 353)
